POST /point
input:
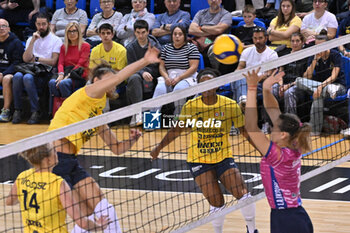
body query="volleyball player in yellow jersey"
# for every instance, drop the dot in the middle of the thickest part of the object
(85, 103)
(45, 198)
(209, 154)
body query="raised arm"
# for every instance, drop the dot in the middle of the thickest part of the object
(73, 210)
(118, 147)
(270, 102)
(99, 89)
(251, 114)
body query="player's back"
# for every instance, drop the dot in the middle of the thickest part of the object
(39, 197)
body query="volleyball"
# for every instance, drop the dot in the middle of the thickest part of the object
(227, 49)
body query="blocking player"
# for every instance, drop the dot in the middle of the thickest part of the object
(209, 156)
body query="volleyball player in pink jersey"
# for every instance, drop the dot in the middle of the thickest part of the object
(281, 162)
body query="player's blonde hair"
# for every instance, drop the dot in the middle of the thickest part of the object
(35, 155)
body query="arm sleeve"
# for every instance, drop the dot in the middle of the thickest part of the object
(158, 21)
(93, 57)
(61, 58)
(94, 21)
(122, 59)
(332, 21)
(121, 33)
(150, 18)
(84, 56)
(185, 19)
(226, 19)
(15, 58)
(83, 19)
(54, 17)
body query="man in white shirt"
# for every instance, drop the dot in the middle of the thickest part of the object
(44, 48)
(252, 56)
(319, 19)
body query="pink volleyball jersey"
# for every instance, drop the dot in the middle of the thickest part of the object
(281, 177)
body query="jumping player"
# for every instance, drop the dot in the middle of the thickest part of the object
(85, 103)
(209, 154)
(45, 198)
(281, 162)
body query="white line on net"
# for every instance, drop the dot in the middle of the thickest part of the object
(130, 110)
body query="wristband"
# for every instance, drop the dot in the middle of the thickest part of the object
(36, 59)
(61, 73)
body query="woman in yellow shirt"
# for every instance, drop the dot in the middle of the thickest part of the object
(45, 198)
(209, 154)
(283, 26)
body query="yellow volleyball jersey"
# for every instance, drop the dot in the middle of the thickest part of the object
(210, 127)
(39, 197)
(77, 107)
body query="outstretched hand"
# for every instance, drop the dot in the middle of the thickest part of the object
(274, 78)
(155, 152)
(151, 55)
(135, 134)
(103, 221)
(252, 77)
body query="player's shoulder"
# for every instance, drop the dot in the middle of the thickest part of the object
(226, 100)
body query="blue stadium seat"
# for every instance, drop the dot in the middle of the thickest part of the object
(198, 5)
(49, 4)
(94, 7)
(81, 4)
(257, 22)
(201, 63)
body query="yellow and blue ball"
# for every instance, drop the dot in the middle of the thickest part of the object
(227, 49)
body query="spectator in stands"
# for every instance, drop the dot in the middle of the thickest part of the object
(11, 51)
(245, 32)
(141, 85)
(178, 66)
(43, 47)
(167, 21)
(207, 24)
(293, 70)
(123, 6)
(125, 30)
(344, 29)
(109, 50)
(252, 56)
(283, 26)
(63, 16)
(240, 4)
(74, 54)
(19, 11)
(323, 78)
(273, 3)
(304, 7)
(108, 15)
(319, 19)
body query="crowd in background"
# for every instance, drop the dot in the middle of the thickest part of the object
(62, 45)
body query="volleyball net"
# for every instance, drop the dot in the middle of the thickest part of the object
(161, 195)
